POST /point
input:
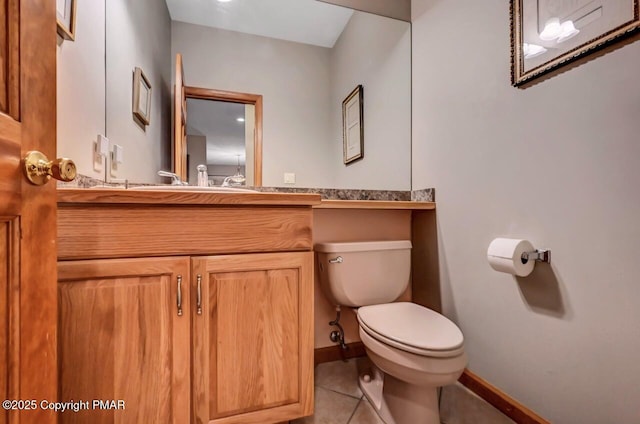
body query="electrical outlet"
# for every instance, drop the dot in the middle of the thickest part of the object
(289, 178)
(100, 152)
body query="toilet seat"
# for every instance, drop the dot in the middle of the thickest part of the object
(412, 328)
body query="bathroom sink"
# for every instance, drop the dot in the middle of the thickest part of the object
(217, 189)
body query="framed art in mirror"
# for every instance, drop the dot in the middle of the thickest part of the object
(141, 97)
(353, 126)
(548, 34)
(66, 19)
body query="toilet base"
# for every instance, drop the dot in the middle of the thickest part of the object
(397, 402)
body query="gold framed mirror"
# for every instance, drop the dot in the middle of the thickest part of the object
(549, 34)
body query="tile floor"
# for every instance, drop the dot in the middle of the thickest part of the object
(338, 397)
(338, 400)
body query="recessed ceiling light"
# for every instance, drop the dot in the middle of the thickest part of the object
(238, 119)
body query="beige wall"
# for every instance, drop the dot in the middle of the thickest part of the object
(345, 226)
(374, 51)
(293, 79)
(139, 35)
(197, 155)
(557, 163)
(398, 9)
(81, 93)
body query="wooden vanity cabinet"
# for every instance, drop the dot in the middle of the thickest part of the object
(253, 338)
(123, 334)
(241, 351)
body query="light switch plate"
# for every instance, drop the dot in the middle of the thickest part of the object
(289, 178)
(100, 153)
(117, 157)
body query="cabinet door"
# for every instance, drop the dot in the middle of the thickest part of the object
(253, 341)
(122, 337)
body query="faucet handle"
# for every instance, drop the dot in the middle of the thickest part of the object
(175, 179)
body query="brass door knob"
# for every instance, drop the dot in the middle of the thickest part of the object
(39, 169)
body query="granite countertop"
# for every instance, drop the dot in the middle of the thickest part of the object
(424, 195)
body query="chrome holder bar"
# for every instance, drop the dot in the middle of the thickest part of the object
(539, 255)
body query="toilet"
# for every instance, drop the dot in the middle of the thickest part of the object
(414, 349)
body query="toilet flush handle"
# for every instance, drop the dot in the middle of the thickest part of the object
(337, 260)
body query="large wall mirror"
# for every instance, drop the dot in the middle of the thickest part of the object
(303, 57)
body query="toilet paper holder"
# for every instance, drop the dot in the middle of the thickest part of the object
(540, 255)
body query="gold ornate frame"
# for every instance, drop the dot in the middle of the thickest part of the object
(521, 77)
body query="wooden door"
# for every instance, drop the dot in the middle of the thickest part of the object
(253, 341)
(27, 212)
(180, 123)
(124, 336)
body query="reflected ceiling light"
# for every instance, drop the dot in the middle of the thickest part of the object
(567, 30)
(239, 119)
(532, 50)
(235, 180)
(552, 30)
(224, 1)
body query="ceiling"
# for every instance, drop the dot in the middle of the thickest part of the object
(218, 122)
(302, 21)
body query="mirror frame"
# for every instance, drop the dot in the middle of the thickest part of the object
(234, 97)
(521, 77)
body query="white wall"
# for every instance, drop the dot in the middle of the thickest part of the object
(293, 79)
(80, 79)
(557, 163)
(374, 51)
(398, 9)
(139, 35)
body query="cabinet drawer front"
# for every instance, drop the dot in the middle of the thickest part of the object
(142, 230)
(254, 341)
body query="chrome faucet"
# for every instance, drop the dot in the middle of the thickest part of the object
(175, 179)
(203, 177)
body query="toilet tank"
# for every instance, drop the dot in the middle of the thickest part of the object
(369, 273)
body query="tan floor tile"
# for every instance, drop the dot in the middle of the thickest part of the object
(330, 408)
(339, 376)
(460, 406)
(365, 414)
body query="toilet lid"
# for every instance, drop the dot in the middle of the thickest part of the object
(411, 325)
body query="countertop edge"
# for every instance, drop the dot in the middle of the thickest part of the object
(168, 197)
(375, 204)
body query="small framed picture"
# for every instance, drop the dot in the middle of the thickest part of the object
(141, 97)
(353, 126)
(66, 18)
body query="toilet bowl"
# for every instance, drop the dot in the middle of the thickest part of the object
(414, 349)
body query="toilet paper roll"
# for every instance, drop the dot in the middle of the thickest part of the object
(505, 254)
